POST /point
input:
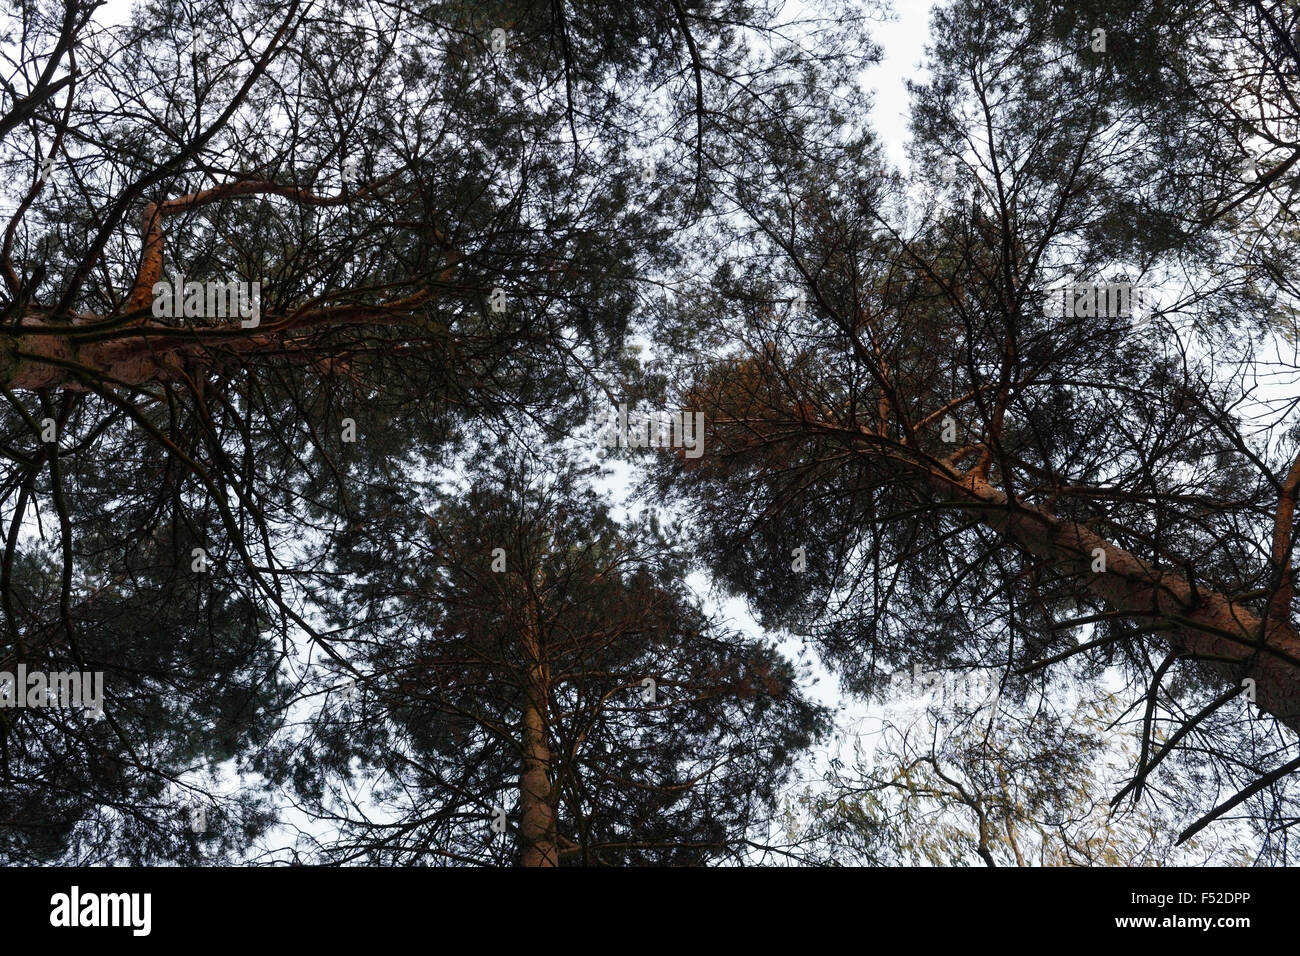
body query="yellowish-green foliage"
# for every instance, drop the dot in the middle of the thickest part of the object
(1032, 787)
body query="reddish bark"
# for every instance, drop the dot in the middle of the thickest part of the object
(1204, 623)
(536, 795)
(143, 351)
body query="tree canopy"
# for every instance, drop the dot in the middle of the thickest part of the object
(311, 313)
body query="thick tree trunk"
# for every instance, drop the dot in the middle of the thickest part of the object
(150, 354)
(1204, 623)
(29, 362)
(536, 798)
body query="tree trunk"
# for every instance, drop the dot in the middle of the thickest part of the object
(1204, 624)
(29, 362)
(148, 353)
(536, 799)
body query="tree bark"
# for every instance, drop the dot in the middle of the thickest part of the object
(44, 360)
(1205, 624)
(152, 353)
(139, 351)
(536, 796)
